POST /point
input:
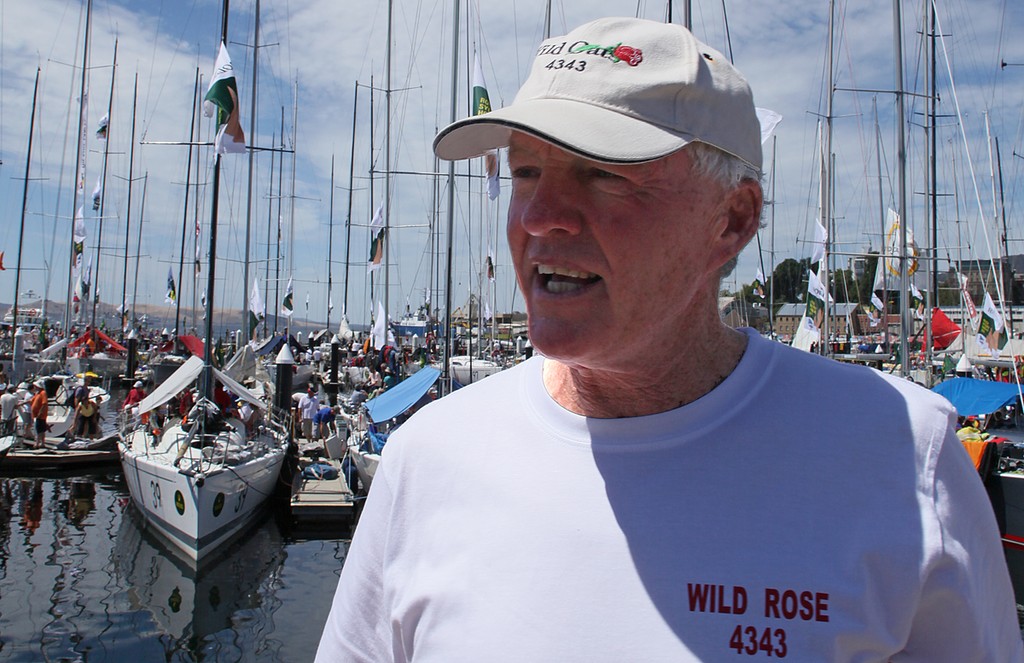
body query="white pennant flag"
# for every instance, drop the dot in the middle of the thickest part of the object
(378, 335)
(820, 237)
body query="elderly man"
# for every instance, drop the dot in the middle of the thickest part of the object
(682, 516)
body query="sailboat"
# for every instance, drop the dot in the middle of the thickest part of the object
(198, 473)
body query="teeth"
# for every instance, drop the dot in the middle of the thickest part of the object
(561, 286)
(560, 271)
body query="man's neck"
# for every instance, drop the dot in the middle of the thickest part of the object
(665, 381)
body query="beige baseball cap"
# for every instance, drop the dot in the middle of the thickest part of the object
(621, 90)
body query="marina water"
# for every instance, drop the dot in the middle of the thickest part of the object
(80, 580)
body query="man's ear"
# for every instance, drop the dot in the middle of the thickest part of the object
(739, 218)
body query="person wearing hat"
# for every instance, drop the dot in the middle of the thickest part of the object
(135, 395)
(635, 157)
(39, 407)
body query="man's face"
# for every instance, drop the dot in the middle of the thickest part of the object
(612, 259)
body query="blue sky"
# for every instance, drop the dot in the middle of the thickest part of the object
(321, 48)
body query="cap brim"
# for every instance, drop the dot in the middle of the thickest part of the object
(593, 132)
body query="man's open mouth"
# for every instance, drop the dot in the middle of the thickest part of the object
(560, 280)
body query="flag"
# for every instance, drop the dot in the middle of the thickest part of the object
(876, 311)
(78, 242)
(889, 262)
(97, 193)
(307, 304)
(172, 294)
(378, 335)
(222, 98)
(991, 330)
(481, 105)
(202, 302)
(377, 240)
(101, 132)
(287, 307)
(256, 309)
(944, 330)
(490, 265)
(818, 247)
(768, 120)
(815, 311)
(85, 283)
(757, 287)
(198, 232)
(916, 302)
(972, 311)
(83, 144)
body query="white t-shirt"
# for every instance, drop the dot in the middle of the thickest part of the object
(8, 403)
(803, 510)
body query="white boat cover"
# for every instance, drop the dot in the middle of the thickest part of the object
(53, 349)
(184, 376)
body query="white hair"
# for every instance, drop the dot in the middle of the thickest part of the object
(725, 169)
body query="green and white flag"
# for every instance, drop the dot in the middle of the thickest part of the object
(916, 302)
(876, 311)
(815, 312)
(757, 287)
(222, 98)
(481, 105)
(991, 330)
(287, 305)
(257, 311)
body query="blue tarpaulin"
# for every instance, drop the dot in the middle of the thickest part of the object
(976, 398)
(403, 395)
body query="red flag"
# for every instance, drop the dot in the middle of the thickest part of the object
(944, 330)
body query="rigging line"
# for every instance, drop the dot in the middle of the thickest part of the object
(967, 148)
(179, 43)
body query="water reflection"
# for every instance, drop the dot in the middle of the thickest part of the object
(193, 604)
(81, 581)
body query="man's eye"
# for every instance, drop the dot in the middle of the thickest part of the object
(604, 174)
(524, 172)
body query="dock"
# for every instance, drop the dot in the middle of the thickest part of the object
(321, 498)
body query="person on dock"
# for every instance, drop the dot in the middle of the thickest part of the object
(637, 490)
(39, 406)
(87, 418)
(9, 409)
(308, 406)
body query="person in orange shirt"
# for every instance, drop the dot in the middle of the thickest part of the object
(40, 408)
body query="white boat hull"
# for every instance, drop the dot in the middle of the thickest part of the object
(196, 504)
(466, 370)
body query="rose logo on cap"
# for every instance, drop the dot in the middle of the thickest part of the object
(629, 55)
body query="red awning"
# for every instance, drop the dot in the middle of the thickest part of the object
(193, 344)
(103, 342)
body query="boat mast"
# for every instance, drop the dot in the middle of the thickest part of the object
(79, 165)
(387, 177)
(207, 383)
(291, 216)
(446, 374)
(94, 289)
(826, 184)
(348, 220)
(184, 217)
(252, 155)
(901, 175)
(330, 245)
(128, 215)
(24, 204)
(138, 246)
